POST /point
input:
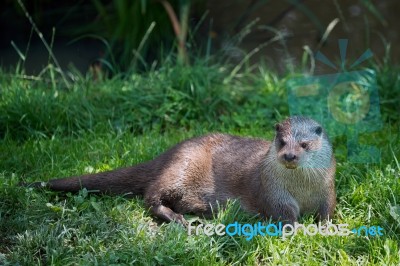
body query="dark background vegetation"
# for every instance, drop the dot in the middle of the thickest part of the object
(81, 30)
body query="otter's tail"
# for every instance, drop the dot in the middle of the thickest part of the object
(129, 181)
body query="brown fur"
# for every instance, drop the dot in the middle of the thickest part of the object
(276, 180)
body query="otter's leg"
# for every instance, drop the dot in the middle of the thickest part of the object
(286, 213)
(283, 209)
(326, 208)
(168, 215)
(160, 204)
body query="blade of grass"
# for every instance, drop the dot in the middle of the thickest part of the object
(47, 46)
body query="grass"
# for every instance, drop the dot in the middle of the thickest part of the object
(48, 131)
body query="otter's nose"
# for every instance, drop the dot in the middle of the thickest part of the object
(289, 157)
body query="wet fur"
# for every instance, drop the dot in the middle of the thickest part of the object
(194, 175)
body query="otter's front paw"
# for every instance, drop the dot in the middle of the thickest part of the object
(286, 213)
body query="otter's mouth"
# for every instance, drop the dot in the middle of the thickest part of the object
(290, 165)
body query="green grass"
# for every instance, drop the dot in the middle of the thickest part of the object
(48, 131)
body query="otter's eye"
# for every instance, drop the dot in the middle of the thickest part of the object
(282, 142)
(304, 145)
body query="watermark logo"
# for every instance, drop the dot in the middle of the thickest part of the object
(249, 231)
(345, 102)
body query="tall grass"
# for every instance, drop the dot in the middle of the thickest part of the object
(208, 92)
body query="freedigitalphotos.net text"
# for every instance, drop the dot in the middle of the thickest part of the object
(282, 230)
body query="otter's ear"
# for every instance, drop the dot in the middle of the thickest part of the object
(278, 127)
(318, 130)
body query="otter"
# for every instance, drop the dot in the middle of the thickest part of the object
(282, 180)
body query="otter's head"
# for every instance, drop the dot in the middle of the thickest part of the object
(302, 142)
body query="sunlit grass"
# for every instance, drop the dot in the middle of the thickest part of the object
(103, 125)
